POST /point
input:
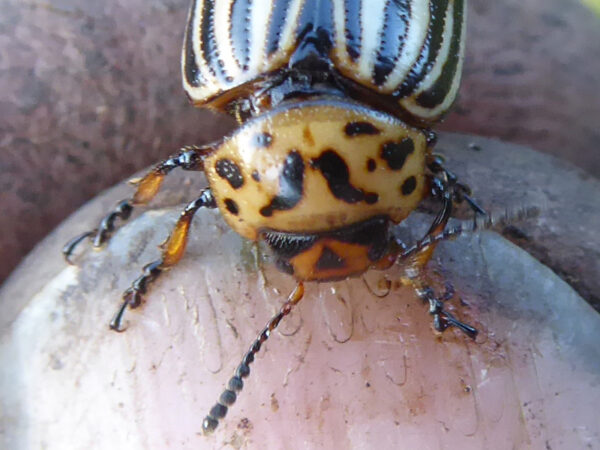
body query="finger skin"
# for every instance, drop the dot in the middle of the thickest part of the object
(352, 367)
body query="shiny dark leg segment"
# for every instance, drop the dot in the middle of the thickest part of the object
(443, 187)
(236, 383)
(188, 158)
(173, 250)
(460, 191)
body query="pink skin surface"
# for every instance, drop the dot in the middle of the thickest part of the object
(355, 366)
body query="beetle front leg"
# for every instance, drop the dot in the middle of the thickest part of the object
(173, 250)
(187, 158)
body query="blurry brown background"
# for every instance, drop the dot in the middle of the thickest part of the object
(90, 93)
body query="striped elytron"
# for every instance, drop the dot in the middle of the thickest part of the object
(334, 100)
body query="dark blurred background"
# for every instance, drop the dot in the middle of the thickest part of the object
(90, 92)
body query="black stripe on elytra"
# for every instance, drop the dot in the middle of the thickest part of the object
(330, 260)
(277, 23)
(392, 38)
(353, 28)
(208, 46)
(335, 171)
(360, 128)
(193, 77)
(291, 184)
(230, 171)
(429, 50)
(436, 94)
(239, 31)
(395, 153)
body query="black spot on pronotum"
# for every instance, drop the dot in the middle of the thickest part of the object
(371, 165)
(232, 206)
(395, 153)
(353, 129)
(336, 172)
(291, 181)
(371, 198)
(263, 140)
(330, 260)
(409, 185)
(228, 170)
(255, 176)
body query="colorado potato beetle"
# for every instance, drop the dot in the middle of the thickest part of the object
(334, 100)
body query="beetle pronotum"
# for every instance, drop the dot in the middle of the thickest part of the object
(334, 99)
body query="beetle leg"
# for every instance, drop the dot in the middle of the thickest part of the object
(420, 255)
(188, 158)
(442, 319)
(460, 191)
(236, 383)
(173, 250)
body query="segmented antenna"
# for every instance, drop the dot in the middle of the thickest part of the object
(479, 223)
(235, 385)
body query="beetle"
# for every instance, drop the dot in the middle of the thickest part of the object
(335, 100)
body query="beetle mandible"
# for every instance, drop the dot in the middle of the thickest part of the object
(334, 100)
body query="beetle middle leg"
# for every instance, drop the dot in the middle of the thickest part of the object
(187, 158)
(460, 191)
(443, 188)
(173, 250)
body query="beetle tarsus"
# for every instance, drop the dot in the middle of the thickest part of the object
(187, 158)
(115, 323)
(446, 188)
(173, 250)
(70, 246)
(442, 319)
(107, 224)
(132, 297)
(99, 236)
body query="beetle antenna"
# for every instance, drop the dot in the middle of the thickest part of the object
(488, 222)
(235, 384)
